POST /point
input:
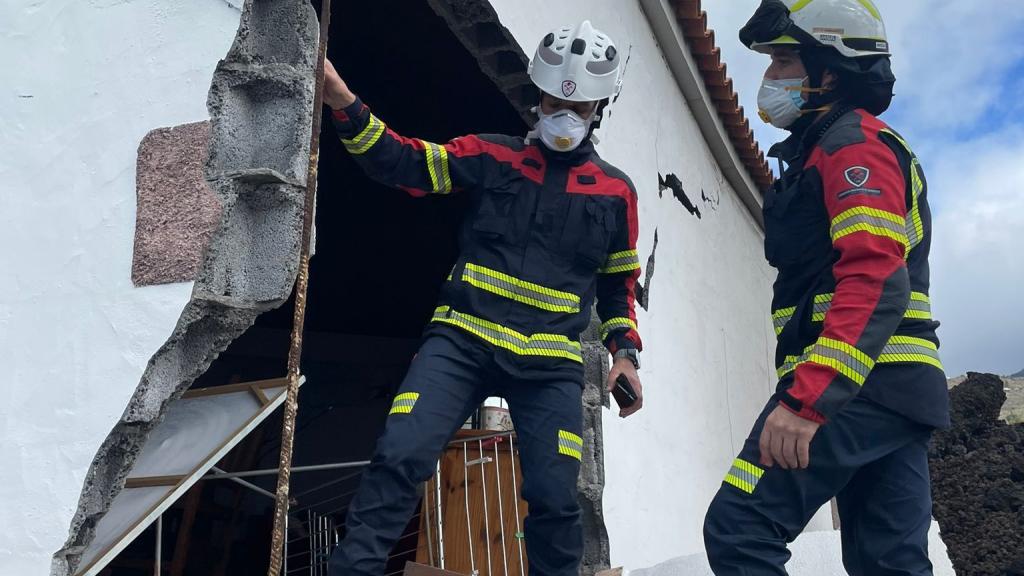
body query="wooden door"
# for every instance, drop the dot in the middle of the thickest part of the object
(481, 508)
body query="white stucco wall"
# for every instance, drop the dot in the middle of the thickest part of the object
(707, 365)
(82, 82)
(85, 80)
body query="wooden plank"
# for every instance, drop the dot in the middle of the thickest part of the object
(232, 388)
(415, 569)
(151, 481)
(258, 393)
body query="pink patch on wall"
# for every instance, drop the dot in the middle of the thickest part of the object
(176, 209)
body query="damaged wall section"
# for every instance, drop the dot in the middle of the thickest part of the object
(260, 103)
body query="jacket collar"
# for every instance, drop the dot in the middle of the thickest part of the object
(805, 137)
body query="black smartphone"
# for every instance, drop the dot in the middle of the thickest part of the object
(624, 393)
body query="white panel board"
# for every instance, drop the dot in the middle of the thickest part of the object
(197, 431)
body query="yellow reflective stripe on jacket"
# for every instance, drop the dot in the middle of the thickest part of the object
(898, 350)
(625, 261)
(404, 403)
(615, 324)
(367, 138)
(437, 166)
(843, 358)
(550, 345)
(840, 356)
(782, 317)
(919, 308)
(744, 475)
(914, 223)
(570, 444)
(520, 290)
(907, 349)
(872, 221)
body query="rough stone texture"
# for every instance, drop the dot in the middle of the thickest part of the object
(177, 212)
(977, 471)
(476, 25)
(1013, 408)
(260, 104)
(596, 551)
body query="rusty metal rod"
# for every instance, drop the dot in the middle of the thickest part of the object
(291, 406)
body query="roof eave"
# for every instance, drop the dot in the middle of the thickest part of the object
(680, 27)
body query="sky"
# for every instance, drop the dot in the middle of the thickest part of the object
(960, 104)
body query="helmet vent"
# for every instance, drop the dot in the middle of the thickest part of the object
(549, 39)
(579, 46)
(611, 52)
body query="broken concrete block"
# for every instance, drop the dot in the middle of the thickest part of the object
(590, 484)
(261, 109)
(176, 211)
(276, 32)
(257, 121)
(254, 258)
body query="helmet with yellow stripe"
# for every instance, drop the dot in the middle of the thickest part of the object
(853, 27)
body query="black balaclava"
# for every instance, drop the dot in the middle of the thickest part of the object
(865, 82)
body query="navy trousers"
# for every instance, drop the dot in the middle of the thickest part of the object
(873, 460)
(450, 377)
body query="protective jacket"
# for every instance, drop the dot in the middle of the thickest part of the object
(546, 234)
(849, 229)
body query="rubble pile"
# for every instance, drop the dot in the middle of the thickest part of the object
(978, 482)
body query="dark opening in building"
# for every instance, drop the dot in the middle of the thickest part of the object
(381, 256)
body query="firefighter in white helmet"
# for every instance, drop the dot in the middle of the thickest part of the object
(861, 385)
(551, 229)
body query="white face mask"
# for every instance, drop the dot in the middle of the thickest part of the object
(563, 131)
(780, 101)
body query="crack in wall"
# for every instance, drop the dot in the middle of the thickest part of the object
(672, 182)
(260, 103)
(643, 291)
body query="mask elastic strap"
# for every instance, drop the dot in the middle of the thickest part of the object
(815, 110)
(808, 90)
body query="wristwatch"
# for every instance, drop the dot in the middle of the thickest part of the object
(629, 353)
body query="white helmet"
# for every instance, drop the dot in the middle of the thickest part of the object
(853, 27)
(579, 64)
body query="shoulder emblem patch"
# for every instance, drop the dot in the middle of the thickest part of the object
(858, 175)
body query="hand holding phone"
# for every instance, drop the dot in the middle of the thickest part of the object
(624, 394)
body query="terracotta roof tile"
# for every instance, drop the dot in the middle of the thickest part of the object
(701, 40)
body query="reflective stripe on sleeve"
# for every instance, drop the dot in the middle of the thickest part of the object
(367, 138)
(614, 324)
(625, 261)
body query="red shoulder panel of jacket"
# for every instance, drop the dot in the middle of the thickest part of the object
(529, 161)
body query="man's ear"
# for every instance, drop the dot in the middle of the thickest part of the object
(829, 80)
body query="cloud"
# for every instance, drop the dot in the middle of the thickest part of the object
(977, 260)
(960, 103)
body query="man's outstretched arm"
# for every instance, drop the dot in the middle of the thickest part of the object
(416, 166)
